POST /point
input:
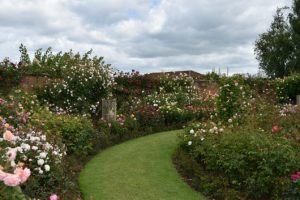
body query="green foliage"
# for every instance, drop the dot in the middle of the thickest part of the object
(149, 118)
(75, 132)
(294, 19)
(251, 162)
(24, 59)
(233, 99)
(278, 50)
(125, 127)
(211, 76)
(43, 186)
(11, 193)
(210, 184)
(288, 88)
(274, 49)
(131, 87)
(10, 75)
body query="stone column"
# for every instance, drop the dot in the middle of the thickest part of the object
(298, 100)
(109, 109)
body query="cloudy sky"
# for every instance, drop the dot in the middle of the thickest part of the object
(146, 35)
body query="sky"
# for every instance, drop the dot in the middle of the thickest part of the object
(145, 35)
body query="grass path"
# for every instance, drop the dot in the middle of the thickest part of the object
(140, 169)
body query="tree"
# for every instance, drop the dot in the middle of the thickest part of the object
(275, 48)
(294, 19)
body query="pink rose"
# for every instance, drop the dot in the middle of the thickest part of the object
(54, 197)
(23, 174)
(295, 177)
(12, 180)
(7, 135)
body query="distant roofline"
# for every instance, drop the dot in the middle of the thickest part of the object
(182, 71)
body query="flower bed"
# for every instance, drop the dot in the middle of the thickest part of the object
(249, 149)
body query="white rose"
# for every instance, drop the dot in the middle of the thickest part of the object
(47, 168)
(190, 143)
(34, 148)
(12, 164)
(40, 162)
(26, 147)
(43, 155)
(192, 131)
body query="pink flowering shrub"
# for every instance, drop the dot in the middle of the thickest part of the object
(27, 156)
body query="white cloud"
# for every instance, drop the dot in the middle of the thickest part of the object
(166, 34)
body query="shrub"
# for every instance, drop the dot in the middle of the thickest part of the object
(125, 127)
(255, 163)
(148, 118)
(87, 82)
(288, 88)
(210, 184)
(23, 147)
(10, 75)
(233, 99)
(130, 87)
(75, 132)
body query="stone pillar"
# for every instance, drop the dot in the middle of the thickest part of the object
(298, 100)
(109, 109)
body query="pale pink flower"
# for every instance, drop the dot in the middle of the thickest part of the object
(2, 175)
(23, 174)
(54, 197)
(7, 135)
(11, 154)
(12, 180)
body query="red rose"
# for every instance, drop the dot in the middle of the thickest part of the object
(275, 129)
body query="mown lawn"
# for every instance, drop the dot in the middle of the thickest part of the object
(139, 169)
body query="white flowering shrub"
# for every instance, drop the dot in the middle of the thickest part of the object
(178, 90)
(81, 88)
(196, 133)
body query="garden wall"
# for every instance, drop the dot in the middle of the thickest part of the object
(30, 82)
(208, 86)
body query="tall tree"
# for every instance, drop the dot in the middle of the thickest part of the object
(275, 49)
(295, 31)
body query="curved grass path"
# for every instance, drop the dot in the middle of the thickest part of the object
(140, 169)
